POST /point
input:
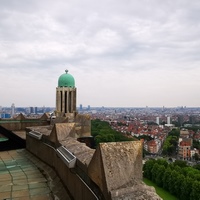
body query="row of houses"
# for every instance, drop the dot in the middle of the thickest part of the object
(158, 134)
(138, 128)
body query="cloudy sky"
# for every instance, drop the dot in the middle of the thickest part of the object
(126, 53)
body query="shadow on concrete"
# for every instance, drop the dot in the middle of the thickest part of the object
(13, 141)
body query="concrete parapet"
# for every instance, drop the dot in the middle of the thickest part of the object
(20, 122)
(75, 180)
(112, 171)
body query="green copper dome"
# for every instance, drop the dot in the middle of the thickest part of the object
(66, 80)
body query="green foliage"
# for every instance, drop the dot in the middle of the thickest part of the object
(196, 144)
(174, 132)
(147, 167)
(195, 194)
(196, 156)
(171, 142)
(177, 178)
(197, 166)
(186, 188)
(159, 175)
(172, 184)
(161, 192)
(167, 178)
(154, 172)
(180, 163)
(178, 185)
(162, 162)
(102, 132)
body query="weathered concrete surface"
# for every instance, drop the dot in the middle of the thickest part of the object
(61, 131)
(116, 165)
(138, 191)
(83, 126)
(20, 123)
(117, 169)
(83, 153)
(21, 134)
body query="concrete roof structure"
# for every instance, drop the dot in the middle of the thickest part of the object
(24, 177)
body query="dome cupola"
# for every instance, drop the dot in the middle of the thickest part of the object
(66, 80)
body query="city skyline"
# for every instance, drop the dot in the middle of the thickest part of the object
(121, 54)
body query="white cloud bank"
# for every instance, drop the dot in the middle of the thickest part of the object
(122, 53)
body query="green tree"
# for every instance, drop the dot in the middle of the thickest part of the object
(102, 132)
(197, 166)
(178, 169)
(172, 183)
(148, 166)
(170, 145)
(180, 163)
(195, 194)
(159, 175)
(162, 162)
(196, 157)
(175, 132)
(178, 185)
(186, 188)
(154, 172)
(167, 178)
(196, 144)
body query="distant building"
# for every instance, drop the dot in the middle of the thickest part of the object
(66, 95)
(180, 120)
(31, 110)
(168, 120)
(152, 146)
(12, 110)
(5, 115)
(158, 120)
(192, 119)
(184, 133)
(36, 110)
(185, 146)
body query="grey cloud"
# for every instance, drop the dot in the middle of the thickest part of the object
(127, 37)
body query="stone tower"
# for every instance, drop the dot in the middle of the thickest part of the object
(66, 96)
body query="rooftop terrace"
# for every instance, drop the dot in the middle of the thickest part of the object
(24, 177)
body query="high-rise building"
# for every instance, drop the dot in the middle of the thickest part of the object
(157, 120)
(32, 110)
(36, 110)
(66, 95)
(12, 110)
(168, 120)
(81, 107)
(192, 119)
(180, 120)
